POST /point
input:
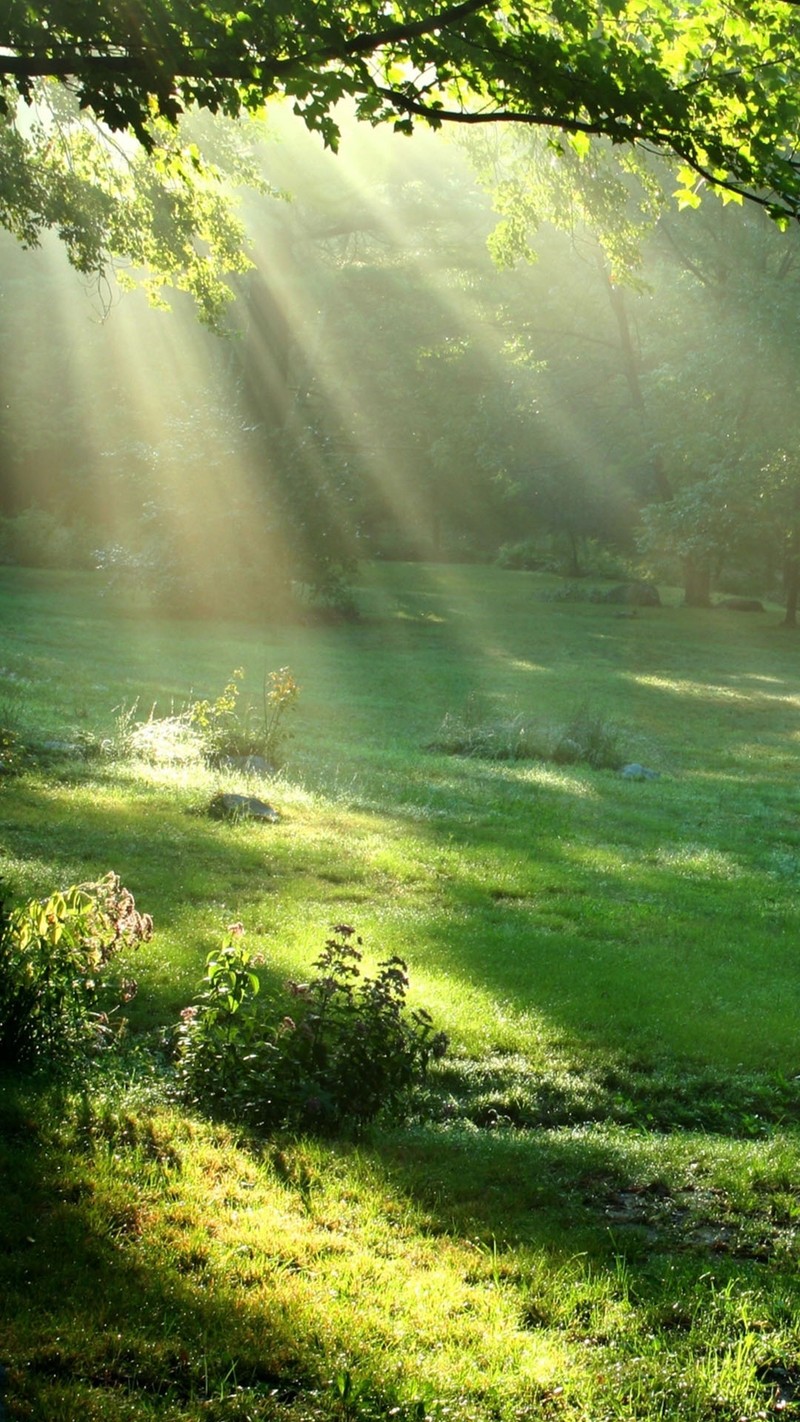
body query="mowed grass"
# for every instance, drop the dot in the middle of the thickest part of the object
(596, 1216)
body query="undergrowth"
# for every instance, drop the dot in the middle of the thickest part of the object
(590, 1211)
(227, 729)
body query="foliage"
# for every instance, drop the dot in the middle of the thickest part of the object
(712, 90)
(528, 555)
(606, 1202)
(492, 738)
(216, 581)
(535, 555)
(336, 1052)
(710, 87)
(228, 728)
(154, 739)
(55, 956)
(211, 730)
(155, 208)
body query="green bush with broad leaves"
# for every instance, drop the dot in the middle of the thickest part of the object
(332, 1054)
(60, 982)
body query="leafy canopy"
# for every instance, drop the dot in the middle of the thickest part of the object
(714, 84)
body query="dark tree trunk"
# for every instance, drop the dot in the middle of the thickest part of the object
(574, 569)
(791, 568)
(696, 584)
(631, 369)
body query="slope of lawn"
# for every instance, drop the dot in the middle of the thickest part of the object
(595, 1216)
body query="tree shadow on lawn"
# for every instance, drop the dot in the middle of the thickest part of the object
(89, 1302)
(100, 1304)
(660, 926)
(629, 946)
(609, 1191)
(194, 874)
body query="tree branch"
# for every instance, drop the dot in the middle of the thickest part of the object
(132, 66)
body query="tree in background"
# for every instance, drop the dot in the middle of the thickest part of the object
(681, 325)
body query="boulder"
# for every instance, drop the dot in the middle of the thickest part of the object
(241, 807)
(634, 771)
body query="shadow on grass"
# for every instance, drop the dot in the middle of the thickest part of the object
(663, 925)
(108, 1308)
(93, 1313)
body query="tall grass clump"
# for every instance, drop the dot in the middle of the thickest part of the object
(218, 730)
(496, 738)
(589, 737)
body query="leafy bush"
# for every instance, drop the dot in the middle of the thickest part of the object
(55, 957)
(213, 730)
(527, 556)
(336, 1051)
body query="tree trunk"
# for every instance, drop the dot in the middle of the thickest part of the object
(791, 568)
(696, 584)
(574, 569)
(631, 369)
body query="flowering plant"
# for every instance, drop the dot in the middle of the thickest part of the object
(343, 1049)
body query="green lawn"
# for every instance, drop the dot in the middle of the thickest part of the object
(597, 1217)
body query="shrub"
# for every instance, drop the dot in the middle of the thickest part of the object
(213, 730)
(55, 961)
(589, 737)
(528, 556)
(335, 1052)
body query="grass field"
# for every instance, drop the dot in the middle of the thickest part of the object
(597, 1216)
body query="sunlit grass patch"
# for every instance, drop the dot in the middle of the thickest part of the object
(698, 859)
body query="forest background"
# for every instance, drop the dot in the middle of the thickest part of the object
(452, 349)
